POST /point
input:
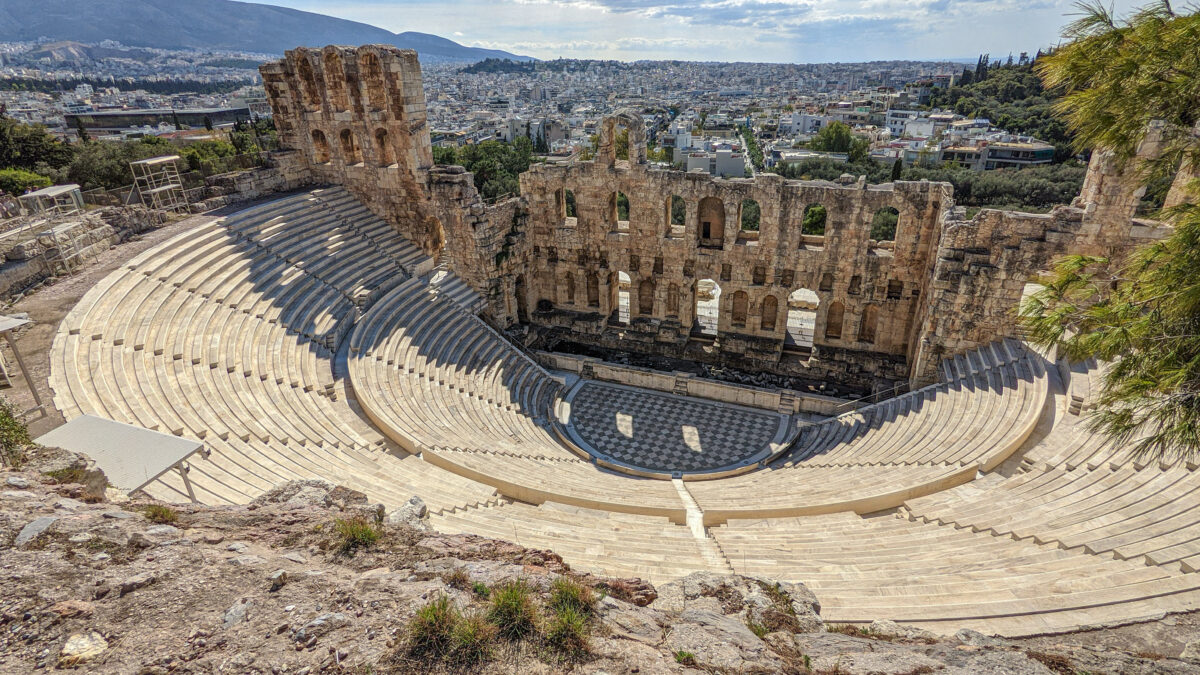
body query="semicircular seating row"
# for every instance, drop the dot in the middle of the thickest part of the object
(472, 415)
(225, 333)
(1082, 532)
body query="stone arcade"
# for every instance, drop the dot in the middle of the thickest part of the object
(886, 310)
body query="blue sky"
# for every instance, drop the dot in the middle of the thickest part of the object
(795, 31)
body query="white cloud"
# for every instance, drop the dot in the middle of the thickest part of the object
(730, 30)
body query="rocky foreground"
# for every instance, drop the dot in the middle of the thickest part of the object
(99, 583)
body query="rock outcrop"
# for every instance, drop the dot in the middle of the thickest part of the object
(266, 588)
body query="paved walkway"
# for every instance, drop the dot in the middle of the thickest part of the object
(665, 432)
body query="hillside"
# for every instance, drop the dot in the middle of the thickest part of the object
(281, 585)
(213, 24)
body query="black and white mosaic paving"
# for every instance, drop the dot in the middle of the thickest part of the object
(665, 432)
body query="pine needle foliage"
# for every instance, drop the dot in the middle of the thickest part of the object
(1140, 313)
(1120, 74)
(1143, 315)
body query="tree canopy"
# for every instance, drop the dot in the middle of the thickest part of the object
(1141, 313)
(1118, 76)
(838, 137)
(1013, 98)
(494, 164)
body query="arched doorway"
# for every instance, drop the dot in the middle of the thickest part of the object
(522, 300)
(801, 319)
(708, 308)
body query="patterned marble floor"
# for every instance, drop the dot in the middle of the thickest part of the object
(664, 432)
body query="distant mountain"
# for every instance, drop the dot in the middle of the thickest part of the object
(212, 24)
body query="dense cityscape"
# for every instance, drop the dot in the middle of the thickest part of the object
(728, 119)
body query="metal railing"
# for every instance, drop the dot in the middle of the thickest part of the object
(877, 397)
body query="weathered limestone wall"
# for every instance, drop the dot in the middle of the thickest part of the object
(61, 244)
(886, 310)
(356, 117)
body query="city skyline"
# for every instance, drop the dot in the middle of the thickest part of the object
(785, 31)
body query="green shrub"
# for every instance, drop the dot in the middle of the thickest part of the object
(472, 639)
(431, 631)
(355, 533)
(512, 610)
(685, 658)
(758, 629)
(17, 181)
(567, 593)
(457, 578)
(568, 631)
(164, 515)
(64, 476)
(14, 435)
(481, 589)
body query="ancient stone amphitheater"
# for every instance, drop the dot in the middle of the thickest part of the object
(326, 334)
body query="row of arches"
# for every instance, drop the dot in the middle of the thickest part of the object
(711, 217)
(800, 317)
(336, 80)
(349, 147)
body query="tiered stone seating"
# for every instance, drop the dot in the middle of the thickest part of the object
(1079, 491)
(876, 457)
(223, 334)
(944, 578)
(480, 407)
(601, 542)
(227, 333)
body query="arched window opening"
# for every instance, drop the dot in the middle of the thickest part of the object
(593, 289)
(708, 308)
(320, 147)
(769, 313)
(866, 329)
(308, 84)
(619, 211)
(335, 81)
(350, 152)
(740, 306)
(833, 321)
(813, 223)
(711, 218)
(569, 204)
(751, 215)
(372, 77)
(646, 297)
(384, 148)
(883, 225)
(802, 307)
(676, 216)
(673, 300)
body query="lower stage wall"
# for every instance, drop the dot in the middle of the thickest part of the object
(755, 397)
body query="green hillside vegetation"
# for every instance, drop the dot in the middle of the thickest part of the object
(495, 164)
(33, 157)
(1013, 98)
